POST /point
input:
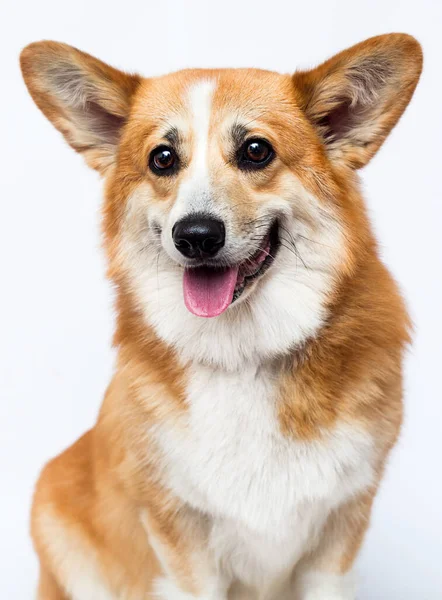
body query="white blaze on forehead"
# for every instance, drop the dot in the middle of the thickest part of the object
(194, 194)
(200, 103)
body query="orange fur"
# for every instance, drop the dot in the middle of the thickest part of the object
(105, 492)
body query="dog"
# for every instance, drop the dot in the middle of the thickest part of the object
(257, 391)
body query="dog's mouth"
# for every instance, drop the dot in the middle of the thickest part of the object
(210, 290)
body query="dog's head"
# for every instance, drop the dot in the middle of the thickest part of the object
(230, 193)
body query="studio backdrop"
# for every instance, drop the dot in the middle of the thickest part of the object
(56, 307)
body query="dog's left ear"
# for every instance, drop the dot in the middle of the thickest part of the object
(355, 98)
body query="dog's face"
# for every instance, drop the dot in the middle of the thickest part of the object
(230, 193)
(222, 160)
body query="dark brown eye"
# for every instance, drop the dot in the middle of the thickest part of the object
(255, 154)
(163, 160)
(257, 151)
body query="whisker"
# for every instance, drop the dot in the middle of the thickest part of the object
(298, 235)
(292, 242)
(292, 248)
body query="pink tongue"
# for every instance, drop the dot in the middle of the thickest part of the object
(208, 292)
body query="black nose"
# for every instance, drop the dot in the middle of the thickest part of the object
(199, 236)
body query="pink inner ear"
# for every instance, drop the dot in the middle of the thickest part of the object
(360, 94)
(105, 125)
(341, 120)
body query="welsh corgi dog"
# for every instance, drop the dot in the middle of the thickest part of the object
(258, 383)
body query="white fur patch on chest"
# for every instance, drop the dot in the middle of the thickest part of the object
(268, 495)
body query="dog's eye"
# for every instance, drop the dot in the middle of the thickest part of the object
(163, 160)
(255, 154)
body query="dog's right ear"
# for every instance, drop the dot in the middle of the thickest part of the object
(85, 99)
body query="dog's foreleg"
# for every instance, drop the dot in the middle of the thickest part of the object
(327, 571)
(180, 542)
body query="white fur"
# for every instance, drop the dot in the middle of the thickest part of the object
(200, 102)
(268, 495)
(194, 193)
(316, 585)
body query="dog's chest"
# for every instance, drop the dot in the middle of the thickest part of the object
(231, 461)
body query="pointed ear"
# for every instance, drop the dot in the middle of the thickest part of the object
(85, 99)
(355, 98)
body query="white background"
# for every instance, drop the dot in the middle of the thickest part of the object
(56, 307)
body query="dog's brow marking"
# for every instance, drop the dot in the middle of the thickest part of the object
(200, 101)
